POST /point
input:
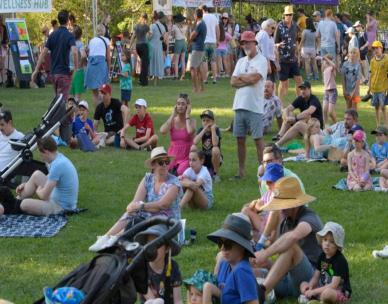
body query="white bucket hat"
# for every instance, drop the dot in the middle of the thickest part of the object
(336, 230)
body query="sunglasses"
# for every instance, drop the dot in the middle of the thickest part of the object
(226, 244)
(273, 28)
(163, 162)
(288, 14)
(224, 18)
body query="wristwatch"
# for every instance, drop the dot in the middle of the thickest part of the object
(142, 206)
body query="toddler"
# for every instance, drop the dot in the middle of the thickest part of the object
(195, 284)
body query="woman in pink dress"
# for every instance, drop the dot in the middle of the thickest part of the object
(182, 130)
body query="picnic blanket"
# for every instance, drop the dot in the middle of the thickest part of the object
(302, 158)
(341, 185)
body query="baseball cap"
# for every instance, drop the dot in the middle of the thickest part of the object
(336, 230)
(83, 103)
(207, 113)
(305, 84)
(248, 36)
(106, 89)
(317, 13)
(141, 102)
(380, 130)
(377, 44)
(273, 172)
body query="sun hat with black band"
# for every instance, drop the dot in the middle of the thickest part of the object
(157, 231)
(156, 153)
(236, 228)
(287, 194)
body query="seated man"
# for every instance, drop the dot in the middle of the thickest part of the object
(210, 137)
(297, 246)
(145, 137)
(113, 114)
(295, 125)
(57, 191)
(272, 107)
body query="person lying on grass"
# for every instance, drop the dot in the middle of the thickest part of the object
(158, 193)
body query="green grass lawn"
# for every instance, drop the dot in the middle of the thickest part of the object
(108, 180)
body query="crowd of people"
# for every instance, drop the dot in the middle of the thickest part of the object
(310, 264)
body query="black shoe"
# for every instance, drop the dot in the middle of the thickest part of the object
(261, 291)
(276, 137)
(366, 97)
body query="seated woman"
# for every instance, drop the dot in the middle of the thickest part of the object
(158, 193)
(182, 131)
(317, 145)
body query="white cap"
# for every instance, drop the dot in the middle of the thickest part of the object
(83, 103)
(141, 102)
(358, 23)
(225, 15)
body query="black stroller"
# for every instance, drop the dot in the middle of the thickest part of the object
(23, 164)
(116, 275)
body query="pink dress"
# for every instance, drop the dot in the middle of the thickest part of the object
(359, 169)
(181, 142)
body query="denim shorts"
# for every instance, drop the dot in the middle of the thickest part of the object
(210, 199)
(221, 53)
(330, 96)
(290, 283)
(379, 100)
(247, 122)
(126, 95)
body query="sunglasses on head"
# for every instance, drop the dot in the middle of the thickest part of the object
(226, 244)
(163, 162)
(183, 95)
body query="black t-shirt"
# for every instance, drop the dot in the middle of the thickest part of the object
(309, 244)
(59, 43)
(207, 144)
(111, 116)
(336, 266)
(301, 104)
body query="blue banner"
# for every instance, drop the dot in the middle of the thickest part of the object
(320, 2)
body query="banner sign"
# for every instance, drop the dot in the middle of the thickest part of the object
(268, 1)
(24, 6)
(197, 3)
(319, 2)
(164, 6)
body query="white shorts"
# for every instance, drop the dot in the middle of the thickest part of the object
(308, 52)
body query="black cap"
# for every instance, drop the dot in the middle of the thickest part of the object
(380, 130)
(305, 84)
(207, 113)
(355, 128)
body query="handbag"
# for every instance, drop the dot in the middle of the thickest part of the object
(85, 143)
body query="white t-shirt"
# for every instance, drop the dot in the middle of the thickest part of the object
(251, 97)
(263, 43)
(97, 46)
(203, 174)
(211, 22)
(6, 152)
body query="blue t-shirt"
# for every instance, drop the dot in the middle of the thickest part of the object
(238, 285)
(62, 171)
(79, 126)
(199, 41)
(380, 152)
(59, 43)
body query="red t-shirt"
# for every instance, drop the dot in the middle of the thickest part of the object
(142, 125)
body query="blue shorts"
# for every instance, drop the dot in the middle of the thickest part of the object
(221, 53)
(247, 122)
(379, 100)
(290, 283)
(330, 96)
(210, 199)
(126, 95)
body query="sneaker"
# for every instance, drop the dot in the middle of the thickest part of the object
(103, 242)
(216, 178)
(303, 299)
(381, 253)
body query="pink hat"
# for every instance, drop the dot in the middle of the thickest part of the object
(359, 135)
(248, 36)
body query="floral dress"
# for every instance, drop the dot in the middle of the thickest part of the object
(359, 168)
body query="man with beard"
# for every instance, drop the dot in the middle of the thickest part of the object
(248, 78)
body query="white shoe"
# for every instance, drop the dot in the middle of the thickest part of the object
(303, 299)
(381, 253)
(103, 242)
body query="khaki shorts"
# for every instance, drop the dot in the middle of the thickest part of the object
(196, 59)
(48, 208)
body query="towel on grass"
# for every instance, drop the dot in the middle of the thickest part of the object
(342, 185)
(302, 158)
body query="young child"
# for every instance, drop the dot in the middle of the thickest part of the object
(197, 183)
(379, 151)
(164, 277)
(316, 144)
(330, 283)
(210, 136)
(359, 160)
(195, 284)
(126, 77)
(351, 78)
(145, 135)
(82, 123)
(273, 172)
(330, 96)
(235, 279)
(378, 84)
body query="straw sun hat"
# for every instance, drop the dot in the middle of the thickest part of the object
(287, 194)
(156, 153)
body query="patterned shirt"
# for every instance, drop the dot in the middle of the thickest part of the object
(272, 108)
(283, 33)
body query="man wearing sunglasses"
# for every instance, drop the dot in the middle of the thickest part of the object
(286, 41)
(248, 78)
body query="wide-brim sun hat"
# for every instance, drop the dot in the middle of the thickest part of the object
(157, 231)
(359, 135)
(288, 9)
(236, 228)
(336, 230)
(156, 153)
(199, 278)
(287, 194)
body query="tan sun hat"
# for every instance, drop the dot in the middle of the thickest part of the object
(156, 153)
(288, 9)
(287, 194)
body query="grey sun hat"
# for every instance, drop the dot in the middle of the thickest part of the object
(236, 228)
(336, 230)
(157, 230)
